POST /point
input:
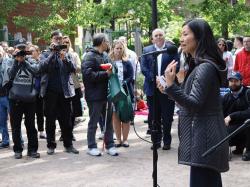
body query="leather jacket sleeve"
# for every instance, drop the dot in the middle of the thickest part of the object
(201, 85)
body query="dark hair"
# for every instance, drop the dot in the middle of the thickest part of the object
(98, 39)
(225, 43)
(230, 45)
(55, 33)
(206, 44)
(239, 38)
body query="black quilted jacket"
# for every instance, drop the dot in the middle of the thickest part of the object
(94, 78)
(201, 121)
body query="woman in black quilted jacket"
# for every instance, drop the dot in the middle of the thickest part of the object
(201, 121)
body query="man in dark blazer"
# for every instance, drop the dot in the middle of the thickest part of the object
(164, 106)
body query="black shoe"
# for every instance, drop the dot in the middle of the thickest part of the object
(42, 136)
(132, 123)
(61, 139)
(148, 132)
(157, 146)
(145, 121)
(125, 144)
(2, 146)
(118, 145)
(18, 155)
(246, 156)
(33, 154)
(166, 147)
(71, 149)
(238, 151)
(50, 151)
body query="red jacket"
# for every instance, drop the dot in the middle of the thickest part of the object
(242, 65)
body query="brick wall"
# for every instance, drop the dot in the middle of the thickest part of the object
(28, 10)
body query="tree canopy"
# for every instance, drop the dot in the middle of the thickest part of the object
(226, 19)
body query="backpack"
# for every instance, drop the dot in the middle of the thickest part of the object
(23, 86)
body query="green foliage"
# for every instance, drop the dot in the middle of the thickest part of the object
(224, 18)
(139, 81)
(6, 7)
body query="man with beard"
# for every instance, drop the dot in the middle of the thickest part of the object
(236, 108)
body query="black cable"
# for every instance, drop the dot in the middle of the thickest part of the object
(135, 87)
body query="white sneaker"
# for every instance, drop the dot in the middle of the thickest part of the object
(112, 151)
(94, 152)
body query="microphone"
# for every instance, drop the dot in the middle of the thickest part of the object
(171, 49)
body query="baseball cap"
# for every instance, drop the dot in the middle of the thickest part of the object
(20, 41)
(235, 75)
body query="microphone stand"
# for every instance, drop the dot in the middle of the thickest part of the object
(237, 131)
(154, 131)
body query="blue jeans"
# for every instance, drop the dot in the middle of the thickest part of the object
(4, 110)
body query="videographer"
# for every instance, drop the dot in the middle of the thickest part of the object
(22, 99)
(57, 89)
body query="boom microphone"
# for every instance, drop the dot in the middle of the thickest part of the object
(171, 49)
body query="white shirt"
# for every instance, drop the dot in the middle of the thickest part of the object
(132, 57)
(227, 56)
(120, 70)
(159, 58)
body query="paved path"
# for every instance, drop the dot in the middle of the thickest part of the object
(133, 168)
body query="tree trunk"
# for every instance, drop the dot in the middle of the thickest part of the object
(224, 30)
(112, 22)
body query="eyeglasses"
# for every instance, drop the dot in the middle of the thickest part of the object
(246, 41)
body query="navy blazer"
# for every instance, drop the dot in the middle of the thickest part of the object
(147, 66)
(128, 73)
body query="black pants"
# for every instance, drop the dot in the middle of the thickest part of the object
(76, 106)
(39, 114)
(204, 177)
(163, 116)
(17, 109)
(241, 140)
(56, 106)
(247, 132)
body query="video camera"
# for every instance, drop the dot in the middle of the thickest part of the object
(58, 47)
(22, 53)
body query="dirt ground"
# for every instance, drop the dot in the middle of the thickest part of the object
(132, 168)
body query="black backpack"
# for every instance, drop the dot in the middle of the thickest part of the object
(23, 86)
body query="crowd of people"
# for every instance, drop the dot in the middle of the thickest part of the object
(45, 87)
